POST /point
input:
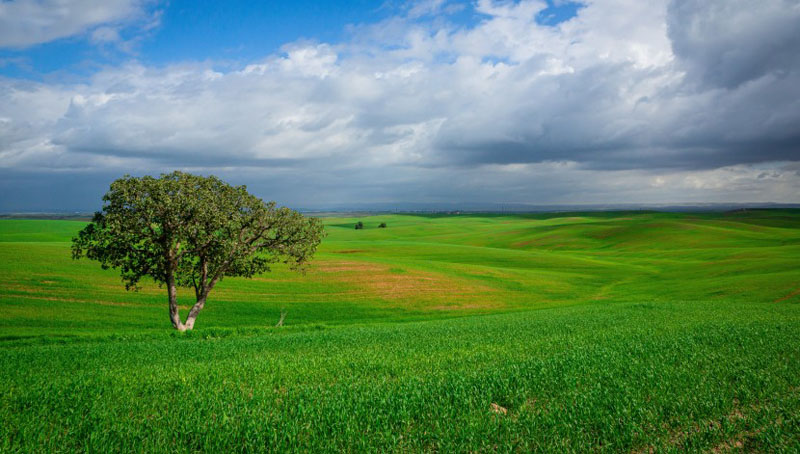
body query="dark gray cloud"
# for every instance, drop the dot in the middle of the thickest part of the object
(725, 44)
(627, 102)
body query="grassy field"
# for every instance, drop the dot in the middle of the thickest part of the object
(601, 332)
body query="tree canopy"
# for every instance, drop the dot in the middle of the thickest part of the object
(184, 230)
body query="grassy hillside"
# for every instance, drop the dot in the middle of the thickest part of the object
(423, 267)
(607, 332)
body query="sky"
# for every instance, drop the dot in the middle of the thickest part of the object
(329, 104)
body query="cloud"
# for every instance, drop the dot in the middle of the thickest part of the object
(25, 23)
(105, 35)
(725, 44)
(627, 101)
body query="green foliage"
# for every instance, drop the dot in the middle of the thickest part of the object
(382, 225)
(191, 231)
(359, 225)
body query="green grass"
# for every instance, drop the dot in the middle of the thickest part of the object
(600, 332)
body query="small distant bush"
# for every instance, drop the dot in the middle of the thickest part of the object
(359, 225)
(382, 225)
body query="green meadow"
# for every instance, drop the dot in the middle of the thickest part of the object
(630, 332)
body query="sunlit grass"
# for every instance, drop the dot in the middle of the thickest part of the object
(607, 332)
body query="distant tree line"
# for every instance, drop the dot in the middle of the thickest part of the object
(360, 225)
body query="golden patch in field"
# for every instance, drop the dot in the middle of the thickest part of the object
(439, 291)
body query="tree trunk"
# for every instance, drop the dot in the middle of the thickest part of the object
(198, 306)
(202, 294)
(174, 316)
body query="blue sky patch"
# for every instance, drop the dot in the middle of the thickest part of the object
(558, 12)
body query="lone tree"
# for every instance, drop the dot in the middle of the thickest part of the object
(359, 225)
(185, 230)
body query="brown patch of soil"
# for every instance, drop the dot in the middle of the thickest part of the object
(75, 300)
(459, 307)
(678, 437)
(790, 295)
(343, 266)
(34, 293)
(727, 446)
(737, 443)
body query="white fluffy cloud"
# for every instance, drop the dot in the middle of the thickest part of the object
(633, 101)
(28, 22)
